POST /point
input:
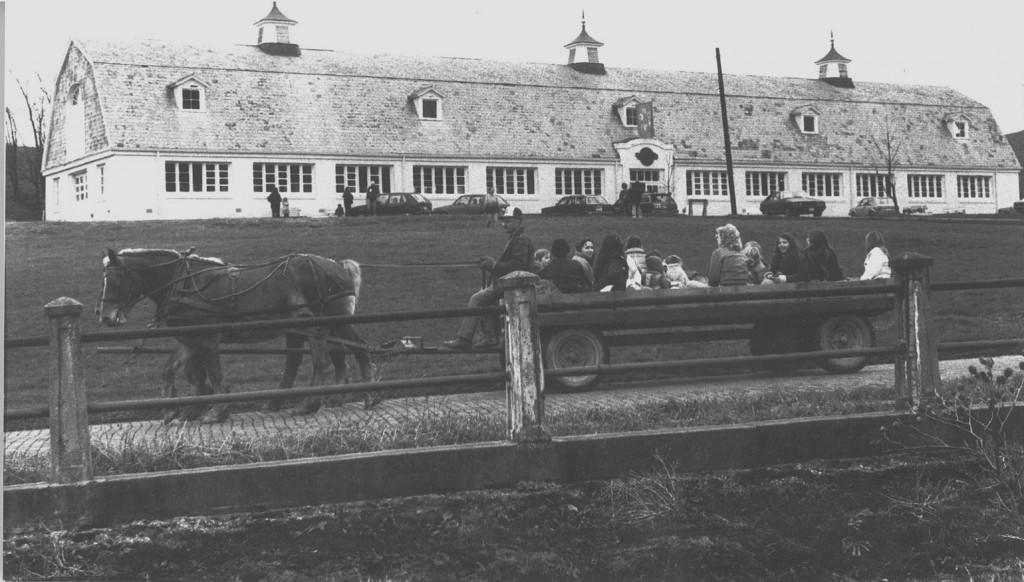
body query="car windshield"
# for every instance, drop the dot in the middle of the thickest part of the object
(596, 200)
(461, 201)
(418, 198)
(865, 202)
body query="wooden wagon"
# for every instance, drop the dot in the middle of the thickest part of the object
(578, 329)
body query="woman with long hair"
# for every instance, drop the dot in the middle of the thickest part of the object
(822, 262)
(728, 264)
(789, 264)
(876, 264)
(610, 267)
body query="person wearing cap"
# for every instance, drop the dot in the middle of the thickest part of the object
(516, 257)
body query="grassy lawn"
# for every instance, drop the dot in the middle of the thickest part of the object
(50, 260)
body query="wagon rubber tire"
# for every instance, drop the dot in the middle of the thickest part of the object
(572, 348)
(845, 332)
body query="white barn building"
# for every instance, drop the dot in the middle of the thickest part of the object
(154, 130)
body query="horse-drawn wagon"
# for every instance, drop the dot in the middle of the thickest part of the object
(577, 330)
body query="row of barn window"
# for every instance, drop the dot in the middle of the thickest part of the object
(298, 178)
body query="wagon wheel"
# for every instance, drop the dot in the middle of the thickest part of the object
(573, 348)
(845, 332)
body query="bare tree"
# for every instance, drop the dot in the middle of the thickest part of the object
(888, 142)
(11, 152)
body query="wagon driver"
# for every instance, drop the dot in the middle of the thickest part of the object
(516, 257)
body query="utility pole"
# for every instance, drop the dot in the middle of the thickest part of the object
(725, 129)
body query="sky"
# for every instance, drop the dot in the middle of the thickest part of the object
(972, 47)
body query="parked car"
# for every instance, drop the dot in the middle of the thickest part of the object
(397, 203)
(1017, 207)
(788, 203)
(653, 203)
(470, 204)
(874, 206)
(579, 204)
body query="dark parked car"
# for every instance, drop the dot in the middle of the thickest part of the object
(654, 203)
(397, 203)
(874, 206)
(470, 204)
(579, 204)
(792, 204)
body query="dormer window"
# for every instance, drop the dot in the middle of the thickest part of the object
(626, 109)
(806, 118)
(428, 104)
(959, 125)
(189, 94)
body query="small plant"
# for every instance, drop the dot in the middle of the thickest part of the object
(973, 416)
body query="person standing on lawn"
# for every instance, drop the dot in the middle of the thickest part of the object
(275, 202)
(517, 256)
(491, 207)
(347, 197)
(372, 194)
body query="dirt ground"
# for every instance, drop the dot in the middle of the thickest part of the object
(892, 518)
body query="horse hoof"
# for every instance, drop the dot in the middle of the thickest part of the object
(307, 407)
(273, 405)
(372, 402)
(170, 415)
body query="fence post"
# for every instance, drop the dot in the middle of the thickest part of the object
(917, 371)
(70, 451)
(523, 361)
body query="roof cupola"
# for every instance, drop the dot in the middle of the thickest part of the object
(275, 34)
(839, 77)
(590, 63)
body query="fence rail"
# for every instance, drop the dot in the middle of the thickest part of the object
(916, 353)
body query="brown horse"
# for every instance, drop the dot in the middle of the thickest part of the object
(190, 290)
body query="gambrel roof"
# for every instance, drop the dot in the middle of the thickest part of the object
(341, 104)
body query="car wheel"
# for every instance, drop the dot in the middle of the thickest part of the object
(817, 213)
(871, 212)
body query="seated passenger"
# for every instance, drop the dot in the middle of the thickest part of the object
(876, 264)
(610, 267)
(755, 263)
(655, 278)
(728, 265)
(541, 259)
(789, 264)
(585, 257)
(636, 258)
(567, 274)
(822, 262)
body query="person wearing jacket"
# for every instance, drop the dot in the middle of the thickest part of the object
(876, 264)
(610, 268)
(728, 265)
(789, 264)
(568, 275)
(822, 262)
(516, 257)
(585, 257)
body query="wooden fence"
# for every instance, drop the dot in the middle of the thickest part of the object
(916, 379)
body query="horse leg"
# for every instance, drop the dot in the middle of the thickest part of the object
(362, 355)
(291, 369)
(219, 412)
(318, 347)
(195, 372)
(174, 362)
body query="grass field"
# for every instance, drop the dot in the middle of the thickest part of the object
(49, 260)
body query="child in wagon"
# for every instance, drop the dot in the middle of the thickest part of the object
(676, 275)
